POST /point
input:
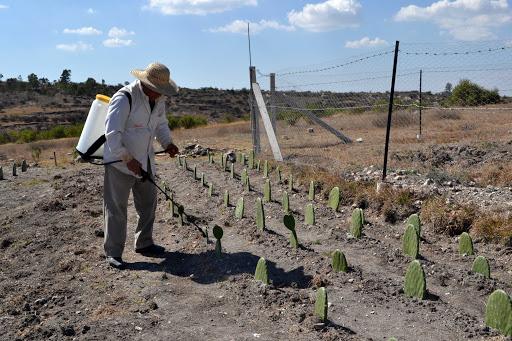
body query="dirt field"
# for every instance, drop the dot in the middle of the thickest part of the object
(54, 283)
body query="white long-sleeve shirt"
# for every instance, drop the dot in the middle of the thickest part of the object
(130, 133)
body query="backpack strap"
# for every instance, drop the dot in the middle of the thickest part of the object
(101, 140)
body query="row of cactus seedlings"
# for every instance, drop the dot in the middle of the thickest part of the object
(499, 306)
(24, 168)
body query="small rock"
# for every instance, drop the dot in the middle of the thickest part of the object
(99, 233)
(359, 140)
(311, 130)
(67, 330)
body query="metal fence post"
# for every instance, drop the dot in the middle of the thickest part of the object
(255, 129)
(273, 117)
(421, 103)
(390, 112)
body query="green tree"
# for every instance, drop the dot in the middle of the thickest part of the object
(33, 81)
(65, 76)
(467, 93)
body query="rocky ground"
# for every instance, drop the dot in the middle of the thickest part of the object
(54, 283)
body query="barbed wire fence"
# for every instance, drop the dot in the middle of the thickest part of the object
(335, 114)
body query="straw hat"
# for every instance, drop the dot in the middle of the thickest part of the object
(157, 78)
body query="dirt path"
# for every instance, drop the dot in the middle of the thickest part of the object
(54, 283)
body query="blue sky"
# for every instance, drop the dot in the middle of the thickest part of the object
(203, 41)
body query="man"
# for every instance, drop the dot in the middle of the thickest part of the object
(136, 115)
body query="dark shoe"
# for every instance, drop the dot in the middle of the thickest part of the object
(151, 250)
(115, 262)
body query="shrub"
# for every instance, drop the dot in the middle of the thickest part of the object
(451, 219)
(467, 93)
(187, 121)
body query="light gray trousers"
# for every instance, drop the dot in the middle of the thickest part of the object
(116, 191)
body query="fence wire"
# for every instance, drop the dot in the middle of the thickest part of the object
(465, 97)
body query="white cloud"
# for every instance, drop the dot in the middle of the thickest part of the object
(84, 31)
(240, 26)
(116, 32)
(116, 42)
(91, 11)
(75, 47)
(197, 7)
(327, 16)
(4, 7)
(463, 19)
(366, 42)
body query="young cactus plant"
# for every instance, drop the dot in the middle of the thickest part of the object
(184, 163)
(289, 223)
(265, 169)
(239, 157)
(278, 174)
(210, 189)
(251, 160)
(258, 165)
(357, 223)
(481, 266)
(334, 198)
(1, 173)
(260, 215)
(267, 191)
(244, 176)
(415, 283)
(415, 221)
(223, 161)
(465, 244)
(203, 180)
(226, 198)
(14, 173)
(232, 171)
(171, 205)
(311, 194)
(239, 209)
(411, 242)
(24, 166)
(339, 262)
(218, 233)
(498, 312)
(286, 202)
(321, 304)
(195, 172)
(261, 273)
(309, 215)
(210, 157)
(247, 184)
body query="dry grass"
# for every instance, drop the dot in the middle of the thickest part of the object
(494, 227)
(451, 219)
(492, 174)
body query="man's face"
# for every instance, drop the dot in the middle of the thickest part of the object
(153, 95)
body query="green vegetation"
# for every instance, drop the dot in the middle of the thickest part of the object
(321, 304)
(465, 244)
(498, 312)
(31, 135)
(260, 215)
(415, 283)
(469, 94)
(481, 266)
(309, 215)
(357, 223)
(218, 233)
(415, 221)
(289, 223)
(411, 242)
(339, 262)
(334, 198)
(186, 121)
(261, 273)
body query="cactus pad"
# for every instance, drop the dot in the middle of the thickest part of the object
(184, 163)
(267, 191)
(309, 216)
(261, 273)
(203, 180)
(278, 173)
(334, 198)
(415, 283)
(247, 184)
(181, 211)
(481, 266)
(218, 233)
(357, 223)
(286, 202)
(411, 242)
(465, 244)
(258, 165)
(260, 215)
(290, 183)
(251, 160)
(321, 304)
(226, 198)
(171, 205)
(14, 169)
(339, 262)
(311, 194)
(195, 172)
(265, 169)
(210, 189)
(243, 176)
(498, 312)
(1, 173)
(239, 210)
(232, 171)
(24, 166)
(415, 221)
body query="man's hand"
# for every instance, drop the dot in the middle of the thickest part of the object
(134, 166)
(172, 150)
